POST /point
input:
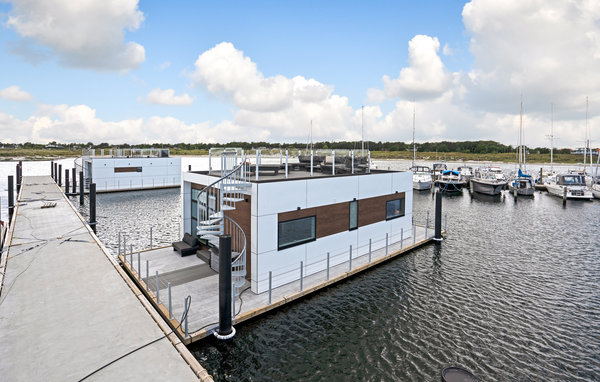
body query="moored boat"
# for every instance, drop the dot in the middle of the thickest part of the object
(449, 181)
(571, 186)
(421, 178)
(487, 181)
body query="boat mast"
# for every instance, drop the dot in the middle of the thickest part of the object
(362, 130)
(521, 135)
(414, 144)
(552, 137)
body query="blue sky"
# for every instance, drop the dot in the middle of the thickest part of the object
(470, 62)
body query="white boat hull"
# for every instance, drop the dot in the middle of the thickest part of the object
(421, 185)
(573, 193)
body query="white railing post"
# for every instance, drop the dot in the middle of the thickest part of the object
(386, 243)
(147, 273)
(401, 238)
(139, 268)
(350, 262)
(170, 303)
(311, 163)
(352, 154)
(286, 163)
(333, 164)
(327, 266)
(270, 285)
(257, 163)
(369, 250)
(301, 275)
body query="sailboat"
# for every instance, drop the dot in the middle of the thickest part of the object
(306, 158)
(421, 174)
(521, 183)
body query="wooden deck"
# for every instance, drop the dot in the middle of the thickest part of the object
(67, 309)
(202, 285)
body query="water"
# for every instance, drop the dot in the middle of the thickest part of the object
(511, 294)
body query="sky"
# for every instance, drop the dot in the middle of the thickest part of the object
(128, 71)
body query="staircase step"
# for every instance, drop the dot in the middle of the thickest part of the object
(233, 200)
(225, 207)
(205, 234)
(217, 215)
(210, 222)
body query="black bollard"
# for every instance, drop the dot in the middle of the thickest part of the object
(438, 217)
(66, 181)
(226, 330)
(189, 167)
(93, 206)
(59, 175)
(74, 176)
(52, 169)
(11, 198)
(18, 175)
(81, 188)
(55, 172)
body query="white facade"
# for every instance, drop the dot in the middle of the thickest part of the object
(268, 199)
(150, 172)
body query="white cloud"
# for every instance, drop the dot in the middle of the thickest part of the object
(168, 97)
(14, 93)
(84, 34)
(164, 65)
(425, 78)
(447, 51)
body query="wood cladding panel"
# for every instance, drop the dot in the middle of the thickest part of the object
(372, 210)
(128, 169)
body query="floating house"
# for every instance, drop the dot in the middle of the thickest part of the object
(284, 214)
(129, 169)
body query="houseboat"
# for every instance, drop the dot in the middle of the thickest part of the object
(280, 216)
(129, 169)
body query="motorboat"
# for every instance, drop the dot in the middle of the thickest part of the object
(437, 170)
(421, 177)
(466, 173)
(449, 181)
(596, 188)
(571, 186)
(521, 184)
(487, 181)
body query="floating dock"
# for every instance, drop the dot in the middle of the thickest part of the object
(68, 311)
(192, 276)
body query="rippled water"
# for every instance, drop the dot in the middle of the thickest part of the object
(511, 294)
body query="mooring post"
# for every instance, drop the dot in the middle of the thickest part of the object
(170, 303)
(55, 172)
(270, 285)
(189, 167)
(327, 266)
(226, 329)
(52, 169)
(67, 181)
(93, 206)
(369, 250)
(18, 178)
(564, 196)
(81, 188)
(60, 175)
(74, 176)
(11, 198)
(438, 217)
(350, 261)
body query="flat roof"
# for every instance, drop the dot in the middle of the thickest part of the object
(276, 173)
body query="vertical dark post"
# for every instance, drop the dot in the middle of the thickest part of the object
(189, 167)
(66, 181)
(52, 169)
(226, 329)
(11, 198)
(55, 172)
(59, 175)
(17, 176)
(81, 188)
(438, 217)
(93, 206)
(74, 176)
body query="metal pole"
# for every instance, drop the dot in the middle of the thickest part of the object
(369, 250)
(93, 206)
(350, 263)
(270, 285)
(286, 164)
(311, 162)
(414, 234)
(147, 273)
(52, 169)
(257, 163)
(170, 303)
(151, 237)
(225, 289)
(11, 198)
(74, 176)
(186, 316)
(401, 238)
(427, 224)
(18, 178)
(139, 268)
(157, 290)
(446, 221)
(353, 161)
(327, 266)
(333, 164)
(81, 188)
(59, 175)
(55, 172)
(131, 257)
(301, 275)
(438, 217)
(67, 185)
(386, 243)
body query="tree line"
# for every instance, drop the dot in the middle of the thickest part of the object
(476, 147)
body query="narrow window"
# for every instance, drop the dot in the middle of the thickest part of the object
(394, 208)
(353, 215)
(296, 232)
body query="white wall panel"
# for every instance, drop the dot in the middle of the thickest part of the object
(278, 197)
(374, 185)
(323, 191)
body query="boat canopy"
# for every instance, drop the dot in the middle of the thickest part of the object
(450, 172)
(523, 175)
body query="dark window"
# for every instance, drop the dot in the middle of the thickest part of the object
(296, 232)
(353, 214)
(394, 208)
